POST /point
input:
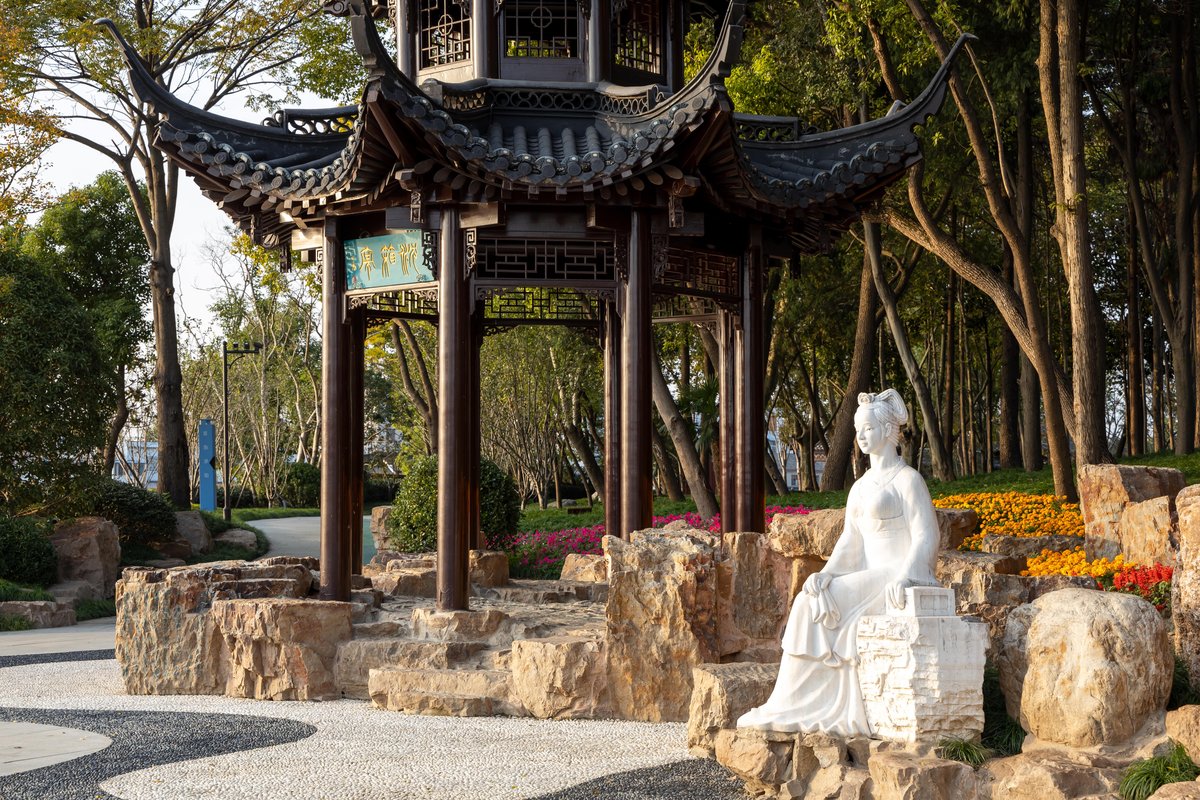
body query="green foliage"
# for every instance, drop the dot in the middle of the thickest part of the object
(135, 554)
(95, 609)
(215, 522)
(968, 752)
(26, 555)
(412, 524)
(57, 396)
(9, 623)
(1182, 691)
(16, 591)
(1144, 778)
(141, 516)
(302, 485)
(1001, 733)
(223, 552)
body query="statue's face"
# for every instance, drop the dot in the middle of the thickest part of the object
(869, 432)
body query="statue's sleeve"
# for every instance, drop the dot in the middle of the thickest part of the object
(921, 564)
(847, 555)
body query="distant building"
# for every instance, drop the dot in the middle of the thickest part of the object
(137, 461)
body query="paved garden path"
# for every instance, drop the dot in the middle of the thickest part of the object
(301, 536)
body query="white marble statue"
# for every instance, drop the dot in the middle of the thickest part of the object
(889, 543)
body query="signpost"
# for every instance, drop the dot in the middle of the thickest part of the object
(207, 438)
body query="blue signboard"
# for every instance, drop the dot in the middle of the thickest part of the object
(386, 262)
(208, 465)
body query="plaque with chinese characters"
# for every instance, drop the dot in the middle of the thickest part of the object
(386, 262)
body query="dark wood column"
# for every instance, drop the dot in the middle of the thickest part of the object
(483, 36)
(636, 491)
(335, 417)
(612, 419)
(751, 430)
(354, 468)
(599, 42)
(478, 540)
(727, 433)
(454, 423)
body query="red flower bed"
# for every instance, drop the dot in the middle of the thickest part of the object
(1151, 583)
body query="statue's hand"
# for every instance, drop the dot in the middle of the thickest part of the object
(816, 583)
(895, 592)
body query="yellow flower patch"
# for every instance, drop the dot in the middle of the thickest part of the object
(1073, 562)
(1016, 514)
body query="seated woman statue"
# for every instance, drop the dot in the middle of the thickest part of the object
(889, 543)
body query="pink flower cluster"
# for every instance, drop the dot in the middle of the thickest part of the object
(541, 554)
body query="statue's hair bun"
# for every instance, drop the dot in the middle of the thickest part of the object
(889, 406)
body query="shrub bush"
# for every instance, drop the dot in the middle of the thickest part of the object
(301, 486)
(26, 555)
(412, 524)
(140, 515)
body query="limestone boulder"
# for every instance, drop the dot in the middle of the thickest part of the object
(720, 694)
(954, 525)
(412, 582)
(88, 550)
(661, 620)
(356, 658)
(238, 537)
(761, 758)
(1024, 547)
(39, 613)
(955, 565)
(379, 515)
(1149, 531)
(1084, 668)
(489, 568)
(281, 648)
(72, 592)
(189, 526)
(899, 775)
(813, 534)
(1104, 492)
(585, 568)
(1183, 726)
(560, 677)
(1050, 774)
(459, 626)
(760, 591)
(445, 693)
(1187, 790)
(1185, 584)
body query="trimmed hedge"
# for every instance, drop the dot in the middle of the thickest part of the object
(301, 486)
(141, 516)
(412, 523)
(26, 555)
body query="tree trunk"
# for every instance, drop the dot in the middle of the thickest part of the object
(774, 476)
(666, 470)
(1010, 395)
(1135, 361)
(116, 425)
(681, 437)
(837, 458)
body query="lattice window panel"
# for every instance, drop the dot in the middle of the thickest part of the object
(638, 35)
(417, 303)
(675, 307)
(701, 273)
(539, 305)
(567, 260)
(445, 32)
(541, 29)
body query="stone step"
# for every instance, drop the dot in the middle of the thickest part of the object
(444, 692)
(532, 592)
(358, 657)
(388, 628)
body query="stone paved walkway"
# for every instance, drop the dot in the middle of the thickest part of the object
(301, 536)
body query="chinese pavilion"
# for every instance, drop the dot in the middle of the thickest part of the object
(537, 161)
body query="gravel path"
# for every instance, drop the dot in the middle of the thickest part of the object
(54, 658)
(354, 751)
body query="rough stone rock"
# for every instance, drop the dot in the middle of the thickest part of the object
(811, 534)
(1183, 725)
(560, 677)
(489, 568)
(720, 694)
(444, 693)
(1084, 668)
(1105, 490)
(921, 670)
(1053, 775)
(166, 642)
(956, 524)
(39, 613)
(281, 648)
(661, 619)
(1024, 547)
(189, 526)
(1186, 790)
(1149, 531)
(907, 776)
(730, 639)
(419, 582)
(356, 659)
(379, 515)
(238, 537)
(457, 626)
(71, 592)
(88, 550)
(762, 581)
(585, 568)
(955, 565)
(761, 758)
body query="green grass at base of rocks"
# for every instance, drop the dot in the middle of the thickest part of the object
(21, 592)
(8, 623)
(95, 609)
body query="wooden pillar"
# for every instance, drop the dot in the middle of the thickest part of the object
(454, 423)
(599, 55)
(406, 41)
(636, 492)
(751, 431)
(357, 351)
(483, 36)
(727, 433)
(335, 433)
(612, 419)
(478, 540)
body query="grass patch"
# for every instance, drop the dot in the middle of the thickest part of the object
(1146, 777)
(95, 609)
(1002, 734)
(8, 623)
(967, 752)
(19, 591)
(243, 515)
